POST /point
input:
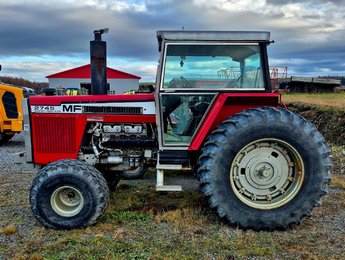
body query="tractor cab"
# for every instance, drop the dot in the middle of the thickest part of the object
(195, 70)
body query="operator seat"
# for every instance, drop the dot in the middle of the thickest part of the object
(170, 103)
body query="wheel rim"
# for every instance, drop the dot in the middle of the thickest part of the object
(67, 201)
(267, 173)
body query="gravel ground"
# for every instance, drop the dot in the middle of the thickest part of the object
(15, 145)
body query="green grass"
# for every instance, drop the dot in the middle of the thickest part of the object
(338, 149)
(127, 216)
(336, 100)
(141, 223)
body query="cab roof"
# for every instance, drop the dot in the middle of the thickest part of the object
(214, 36)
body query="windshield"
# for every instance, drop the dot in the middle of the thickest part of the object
(213, 66)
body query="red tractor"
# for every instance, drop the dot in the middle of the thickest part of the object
(260, 165)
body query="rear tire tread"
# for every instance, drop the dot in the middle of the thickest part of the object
(209, 154)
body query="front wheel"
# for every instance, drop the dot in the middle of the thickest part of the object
(264, 168)
(68, 194)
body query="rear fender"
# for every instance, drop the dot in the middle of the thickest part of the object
(226, 105)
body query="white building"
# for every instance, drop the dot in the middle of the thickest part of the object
(80, 77)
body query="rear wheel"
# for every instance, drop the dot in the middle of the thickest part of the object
(134, 172)
(68, 194)
(264, 169)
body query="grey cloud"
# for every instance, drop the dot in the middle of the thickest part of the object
(61, 31)
(284, 2)
(38, 31)
(66, 31)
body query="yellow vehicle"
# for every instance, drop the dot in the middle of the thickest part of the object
(11, 115)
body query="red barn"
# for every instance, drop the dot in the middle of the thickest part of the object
(80, 77)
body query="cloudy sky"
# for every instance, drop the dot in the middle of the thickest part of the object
(41, 37)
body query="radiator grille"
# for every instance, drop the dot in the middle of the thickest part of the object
(114, 110)
(54, 134)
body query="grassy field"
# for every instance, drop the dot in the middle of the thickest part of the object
(143, 224)
(336, 100)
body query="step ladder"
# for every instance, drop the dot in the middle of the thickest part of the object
(160, 177)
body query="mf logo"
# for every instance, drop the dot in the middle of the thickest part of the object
(71, 108)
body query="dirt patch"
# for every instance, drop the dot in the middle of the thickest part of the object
(338, 159)
(330, 122)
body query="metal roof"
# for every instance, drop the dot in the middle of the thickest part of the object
(252, 36)
(84, 72)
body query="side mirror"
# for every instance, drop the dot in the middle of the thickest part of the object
(0, 67)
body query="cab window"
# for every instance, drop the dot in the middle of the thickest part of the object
(182, 114)
(213, 67)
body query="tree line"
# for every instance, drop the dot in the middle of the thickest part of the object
(20, 82)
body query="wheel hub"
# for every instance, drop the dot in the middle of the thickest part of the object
(71, 195)
(267, 173)
(67, 201)
(264, 171)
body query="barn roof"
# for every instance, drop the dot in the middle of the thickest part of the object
(83, 72)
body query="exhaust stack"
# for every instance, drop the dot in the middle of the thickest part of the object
(98, 61)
